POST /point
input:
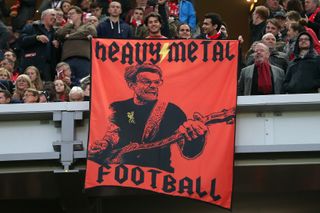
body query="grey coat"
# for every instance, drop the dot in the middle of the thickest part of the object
(246, 75)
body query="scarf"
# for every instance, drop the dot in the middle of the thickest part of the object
(214, 37)
(264, 77)
(313, 15)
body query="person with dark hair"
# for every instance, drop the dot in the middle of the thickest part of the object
(296, 5)
(77, 34)
(9, 65)
(258, 22)
(4, 35)
(137, 25)
(157, 23)
(184, 31)
(21, 12)
(96, 10)
(313, 13)
(211, 27)
(5, 96)
(303, 74)
(153, 21)
(294, 16)
(31, 96)
(65, 6)
(146, 119)
(294, 30)
(114, 27)
(274, 6)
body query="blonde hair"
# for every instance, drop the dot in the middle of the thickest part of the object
(38, 84)
(5, 71)
(18, 94)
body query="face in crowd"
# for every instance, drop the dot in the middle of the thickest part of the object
(49, 18)
(138, 15)
(208, 27)
(154, 25)
(32, 74)
(114, 9)
(59, 86)
(96, 12)
(269, 39)
(273, 4)
(3, 99)
(271, 28)
(184, 31)
(30, 97)
(261, 53)
(304, 42)
(73, 16)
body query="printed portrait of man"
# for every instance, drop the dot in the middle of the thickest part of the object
(150, 123)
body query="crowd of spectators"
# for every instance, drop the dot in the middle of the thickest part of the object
(284, 55)
(48, 60)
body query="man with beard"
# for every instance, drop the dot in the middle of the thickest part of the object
(145, 119)
(261, 78)
(303, 75)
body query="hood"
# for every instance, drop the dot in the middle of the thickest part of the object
(296, 50)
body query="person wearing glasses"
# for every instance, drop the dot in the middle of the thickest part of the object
(145, 119)
(303, 74)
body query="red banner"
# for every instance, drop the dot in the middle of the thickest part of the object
(162, 117)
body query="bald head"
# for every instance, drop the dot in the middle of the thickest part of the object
(269, 40)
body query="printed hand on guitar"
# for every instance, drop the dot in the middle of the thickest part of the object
(189, 130)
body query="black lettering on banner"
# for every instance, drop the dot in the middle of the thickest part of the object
(137, 176)
(103, 53)
(168, 184)
(205, 50)
(192, 48)
(154, 174)
(127, 54)
(154, 51)
(186, 184)
(177, 52)
(101, 173)
(138, 53)
(121, 173)
(198, 188)
(217, 52)
(213, 191)
(113, 50)
(228, 56)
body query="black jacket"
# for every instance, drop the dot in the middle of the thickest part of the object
(38, 54)
(303, 74)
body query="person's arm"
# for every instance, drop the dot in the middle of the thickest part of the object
(192, 17)
(83, 32)
(62, 32)
(241, 83)
(165, 31)
(28, 37)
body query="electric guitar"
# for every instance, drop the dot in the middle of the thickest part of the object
(115, 156)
